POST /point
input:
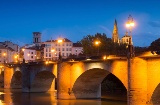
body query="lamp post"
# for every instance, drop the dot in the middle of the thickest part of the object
(60, 55)
(97, 42)
(23, 60)
(130, 54)
(28, 58)
(4, 55)
(52, 51)
(16, 58)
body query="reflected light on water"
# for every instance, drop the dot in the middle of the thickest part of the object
(16, 97)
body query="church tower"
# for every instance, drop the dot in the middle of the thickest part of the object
(115, 36)
(37, 38)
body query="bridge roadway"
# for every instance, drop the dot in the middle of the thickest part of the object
(82, 79)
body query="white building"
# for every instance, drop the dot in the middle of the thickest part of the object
(77, 49)
(126, 38)
(32, 54)
(54, 48)
(7, 55)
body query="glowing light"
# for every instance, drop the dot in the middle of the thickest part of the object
(130, 22)
(47, 62)
(97, 43)
(4, 54)
(60, 41)
(52, 50)
(88, 59)
(104, 57)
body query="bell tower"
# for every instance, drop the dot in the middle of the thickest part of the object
(115, 36)
(37, 38)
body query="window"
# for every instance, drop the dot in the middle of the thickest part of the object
(31, 52)
(63, 49)
(32, 57)
(66, 49)
(46, 54)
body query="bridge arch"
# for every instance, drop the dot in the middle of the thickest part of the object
(88, 84)
(42, 81)
(16, 80)
(155, 98)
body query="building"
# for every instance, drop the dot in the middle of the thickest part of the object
(31, 54)
(7, 55)
(77, 49)
(9, 52)
(125, 39)
(55, 48)
(37, 38)
(115, 36)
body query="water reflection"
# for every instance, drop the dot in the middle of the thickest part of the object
(16, 97)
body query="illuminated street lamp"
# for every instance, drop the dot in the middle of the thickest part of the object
(129, 25)
(60, 41)
(4, 55)
(97, 43)
(52, 51)
(16, 58)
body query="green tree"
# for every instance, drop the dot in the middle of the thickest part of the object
(155, 46)
(106, 46)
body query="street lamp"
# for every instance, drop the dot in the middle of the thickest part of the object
(97, 43)
(4, 55)
(60, 41)
(52, 51)
(16, 58)
(129, 25)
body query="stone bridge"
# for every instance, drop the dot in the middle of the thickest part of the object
(82, 79)
(32, 77)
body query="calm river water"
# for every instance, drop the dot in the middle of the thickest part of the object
(16, 97)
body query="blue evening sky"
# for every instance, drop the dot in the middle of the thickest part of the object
(74, 19)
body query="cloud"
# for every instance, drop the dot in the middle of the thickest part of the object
(154, 23)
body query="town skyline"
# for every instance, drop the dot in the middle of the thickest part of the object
(76, 19)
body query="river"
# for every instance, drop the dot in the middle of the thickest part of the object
(16, 97)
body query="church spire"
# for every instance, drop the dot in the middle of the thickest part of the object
(115, 36)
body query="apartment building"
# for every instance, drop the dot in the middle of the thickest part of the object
(55, 48)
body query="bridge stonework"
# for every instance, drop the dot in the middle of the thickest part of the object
(83, 79)
(31, 77)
